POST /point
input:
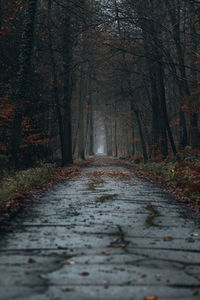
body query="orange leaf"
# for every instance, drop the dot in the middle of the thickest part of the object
(168, 239)
(68, 262)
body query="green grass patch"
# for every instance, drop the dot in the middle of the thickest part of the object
(78, 161)
(12, 187)
(94, 183)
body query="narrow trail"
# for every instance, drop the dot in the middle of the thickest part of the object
(104, 235)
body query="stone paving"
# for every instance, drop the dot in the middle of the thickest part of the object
(115, 239)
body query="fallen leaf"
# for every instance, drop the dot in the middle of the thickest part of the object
(150, 298)
(31, 261)
(115, 239)
(105, 253)
(43, 220)
(189, 257)
(195, 234)
(84, 273)
(168, 239)
(105, 281)
(113, 245)
(139, 280)
(68, 262)
(68, 290)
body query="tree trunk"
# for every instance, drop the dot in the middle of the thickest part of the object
(115, 133)
(183, 86)
(81, 143)
(25, 55)
(67, 130)
(55, 84)
(164, 109)
(91, 121)
(195, 133)
(91, 133)
(143, 144)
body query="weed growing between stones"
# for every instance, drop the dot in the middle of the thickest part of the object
(92, 185)
(150, 220)
(107, 197)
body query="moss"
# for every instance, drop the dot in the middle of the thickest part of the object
(94, 183)
(120, 233)
(107, 197)
(153, 214)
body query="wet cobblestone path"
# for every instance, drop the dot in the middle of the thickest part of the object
(104, 235)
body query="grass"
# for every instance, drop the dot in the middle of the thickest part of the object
(12, 187)
(79, 161)
(94, 183)
(182, 176)
(153, 214)
(107, 197)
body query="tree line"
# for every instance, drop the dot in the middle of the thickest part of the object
(68, 68)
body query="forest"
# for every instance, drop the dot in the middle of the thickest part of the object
(99, 149)
(84, 77)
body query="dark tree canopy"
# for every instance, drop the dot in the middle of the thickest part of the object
(82, 77)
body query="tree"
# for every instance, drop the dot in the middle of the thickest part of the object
(26, 48)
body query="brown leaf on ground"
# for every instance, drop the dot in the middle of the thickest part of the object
(84, 273)
(139, 280)
(150, 298)
(69, 290)
(195, 234)
(68, 262)
(168, 239)
(189, 257)
(31, 261)
(105, 253)
(113, 245)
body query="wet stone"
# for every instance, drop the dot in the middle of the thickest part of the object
(69, 245)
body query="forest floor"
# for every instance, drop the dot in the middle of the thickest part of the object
(182, 178)
(104, 234)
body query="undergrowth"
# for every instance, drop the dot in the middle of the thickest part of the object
(181, 175)
(14, 186)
